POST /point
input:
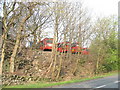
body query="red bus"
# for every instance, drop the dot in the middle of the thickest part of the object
(63, 47)
(85, 51)
(46, 44)
(75, 48)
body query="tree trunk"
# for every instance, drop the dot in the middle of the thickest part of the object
(3, 46)
(15, 50)
(35, 39)
(98, 61)
(19, 37)
(60, 66)
(54, 50)
(76, 66)
(3, 42)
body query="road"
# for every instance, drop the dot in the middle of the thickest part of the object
(106, 82)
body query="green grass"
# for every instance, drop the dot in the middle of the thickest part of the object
(49, 84)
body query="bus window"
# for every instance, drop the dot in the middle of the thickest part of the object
(49, 41)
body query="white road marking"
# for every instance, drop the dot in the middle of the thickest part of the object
(116, 81)
(105, 85)
(101, 86)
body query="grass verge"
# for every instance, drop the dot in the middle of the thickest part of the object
(49, 84)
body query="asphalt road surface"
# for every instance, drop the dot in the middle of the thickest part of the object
(106, 82)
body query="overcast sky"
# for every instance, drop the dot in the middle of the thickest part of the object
(101, 7)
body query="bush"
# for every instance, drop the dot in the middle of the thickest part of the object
(111, 63)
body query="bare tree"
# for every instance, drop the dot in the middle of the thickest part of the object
(104, 28)
(38, 22)
(8, 9)
(20, 29)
